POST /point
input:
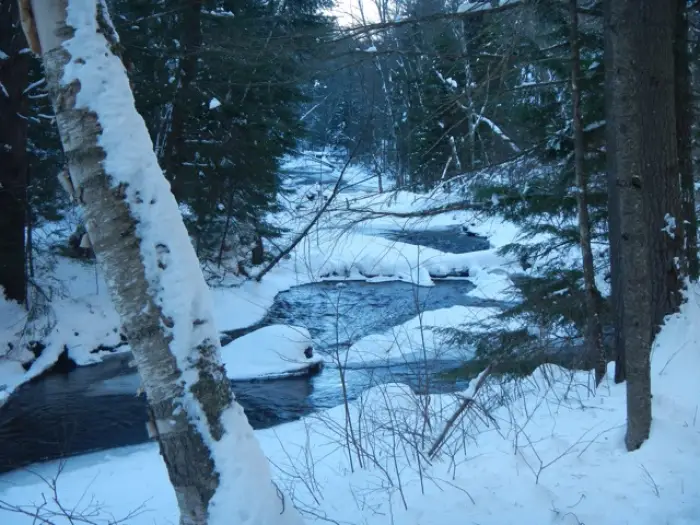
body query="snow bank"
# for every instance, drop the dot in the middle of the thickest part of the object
(554, 453)
(247, 303)
(364, 256)
(358, 256)
(79, 317)
(348, 243)
(13, 319)
(270, 352)
(84, 315)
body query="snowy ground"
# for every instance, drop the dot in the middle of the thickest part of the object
(552, 453)
(80, 317)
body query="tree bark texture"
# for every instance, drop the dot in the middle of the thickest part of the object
(176, 347)
(14, 162)
(594, 332)
(684, 121)
(651, 235)
(660, 163)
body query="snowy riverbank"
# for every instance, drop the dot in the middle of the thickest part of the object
(553, 454)
(82, 325)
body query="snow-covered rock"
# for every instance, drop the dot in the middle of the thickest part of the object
(271, 352)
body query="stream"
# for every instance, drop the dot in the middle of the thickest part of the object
(96, 407)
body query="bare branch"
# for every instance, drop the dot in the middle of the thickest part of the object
(466, 403)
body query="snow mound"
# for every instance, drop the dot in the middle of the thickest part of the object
(270, 352)
(79, 318)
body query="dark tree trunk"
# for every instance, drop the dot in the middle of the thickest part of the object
(258, 253)
(174, 150)
(613, 197)
(659, 161)
(635, 271)
(594, 333)
(649, 192)
(684, 120)
(14, 74)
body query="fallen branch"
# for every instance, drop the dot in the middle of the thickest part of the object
(466, 403)
(457, 206)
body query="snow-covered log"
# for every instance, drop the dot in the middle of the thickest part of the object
(214, 462)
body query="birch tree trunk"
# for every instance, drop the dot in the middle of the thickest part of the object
(594, 332)
(218, 471)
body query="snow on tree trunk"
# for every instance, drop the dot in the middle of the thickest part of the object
(214, 462)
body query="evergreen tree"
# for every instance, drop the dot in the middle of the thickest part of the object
(537, 188)
(225, 110)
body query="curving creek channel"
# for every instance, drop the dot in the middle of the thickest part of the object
(96, 407)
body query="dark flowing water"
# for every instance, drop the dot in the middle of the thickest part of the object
(96, 407)
(456, 239)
